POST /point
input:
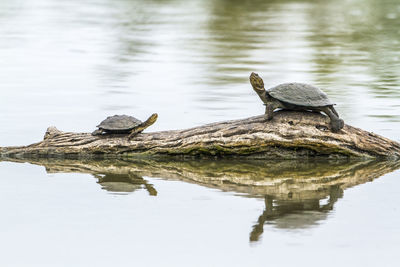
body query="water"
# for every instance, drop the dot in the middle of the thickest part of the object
(72, 63)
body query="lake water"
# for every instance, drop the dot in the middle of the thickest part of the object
(73, 63)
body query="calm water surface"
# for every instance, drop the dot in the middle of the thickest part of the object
(72, 63)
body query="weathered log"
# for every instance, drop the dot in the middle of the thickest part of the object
(289, 135)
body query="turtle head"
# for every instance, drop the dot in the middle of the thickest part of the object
(257, 83)
(152, 119)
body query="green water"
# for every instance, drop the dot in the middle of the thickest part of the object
(73, 63)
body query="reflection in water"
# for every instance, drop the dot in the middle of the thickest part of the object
(297, 194)
(126, 183)
(277, 210)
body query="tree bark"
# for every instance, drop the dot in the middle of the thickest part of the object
(289, 135)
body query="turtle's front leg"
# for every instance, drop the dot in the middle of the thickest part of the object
(269, 111)
(135, 131)
(270, 106)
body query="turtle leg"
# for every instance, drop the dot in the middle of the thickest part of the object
(334, 110)
(341, 122)
(270, 106)
(135, 132)
(269, 112)
(336, 123)
(98, 132)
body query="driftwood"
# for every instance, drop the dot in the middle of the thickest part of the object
(289, 135)
(302, 188)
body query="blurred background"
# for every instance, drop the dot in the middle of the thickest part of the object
(73, 63)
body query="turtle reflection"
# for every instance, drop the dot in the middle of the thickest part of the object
(294, 213)
(124, 183)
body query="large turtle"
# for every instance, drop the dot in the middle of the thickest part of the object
(295, 96)
(124, 124)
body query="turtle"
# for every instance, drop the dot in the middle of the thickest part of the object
(295, 96)
(124, 124)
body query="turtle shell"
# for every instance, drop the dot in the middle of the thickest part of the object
(119, 123)
(300, 94)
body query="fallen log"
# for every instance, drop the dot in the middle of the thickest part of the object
(290, 134)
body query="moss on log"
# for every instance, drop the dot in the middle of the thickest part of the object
(289, 135)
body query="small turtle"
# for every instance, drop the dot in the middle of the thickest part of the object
(123, 124)
(295, 96)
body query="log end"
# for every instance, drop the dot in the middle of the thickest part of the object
(51, 132)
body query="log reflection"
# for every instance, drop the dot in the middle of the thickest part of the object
(297, 194)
